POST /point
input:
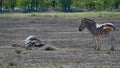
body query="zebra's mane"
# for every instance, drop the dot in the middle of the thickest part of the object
(91, 21)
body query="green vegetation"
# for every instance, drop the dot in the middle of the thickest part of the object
(48, 47)
(97, 66)
(60, 66)
(12, 64)
(50, 66)
(1, 65)
(65, 5)
(64, 15)
(18, 51)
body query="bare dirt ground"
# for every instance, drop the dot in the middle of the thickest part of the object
(74, 48)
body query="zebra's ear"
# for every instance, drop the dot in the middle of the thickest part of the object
(107, 28)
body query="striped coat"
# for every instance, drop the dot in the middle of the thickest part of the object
(33, 41)
(98, 30)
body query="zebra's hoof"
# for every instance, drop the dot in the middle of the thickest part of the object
(98, 49)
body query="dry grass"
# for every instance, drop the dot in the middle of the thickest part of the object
(73, 47)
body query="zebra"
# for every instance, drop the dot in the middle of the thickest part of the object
(99, 31)
(33, 41)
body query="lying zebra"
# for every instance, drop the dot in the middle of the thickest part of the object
(33, 41)
(99, 31)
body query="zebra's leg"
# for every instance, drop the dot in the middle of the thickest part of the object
(112, 42)
(97, 45)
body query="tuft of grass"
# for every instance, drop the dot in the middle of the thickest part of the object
(12, 64)
(49, 47)
(60, 66)
(50, 66)
(84, 66)
(1, 65)
(18, 51)
(97, 66)
(28, 48)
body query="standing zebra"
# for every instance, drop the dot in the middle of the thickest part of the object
(99, 31)
(33, 41)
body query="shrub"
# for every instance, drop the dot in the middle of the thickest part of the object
(18, 51)
(1, 65)
(97, 66)
(49, 47)
(12, 64)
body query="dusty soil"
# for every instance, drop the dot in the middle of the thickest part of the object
(74, 48)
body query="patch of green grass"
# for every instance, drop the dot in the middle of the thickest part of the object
(1, 65)
(33, 47)
(18, 51)
(28, 48)
(97, 66)
(50, 66)
(12, 64)
(60, 66)
(49, 47)
(109, 14)
(64, 15)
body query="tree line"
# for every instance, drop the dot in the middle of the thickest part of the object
(61, 5)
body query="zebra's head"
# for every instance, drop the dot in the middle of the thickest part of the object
(85, 23)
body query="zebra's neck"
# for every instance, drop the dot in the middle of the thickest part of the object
(92, 28)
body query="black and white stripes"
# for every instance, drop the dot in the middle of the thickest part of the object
(98, 30)
(33, 41)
